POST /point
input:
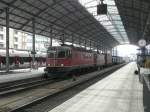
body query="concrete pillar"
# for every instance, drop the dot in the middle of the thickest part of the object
(7, 39)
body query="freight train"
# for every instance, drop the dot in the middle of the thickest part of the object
(20, 58)
(117, 60)
(65, 60)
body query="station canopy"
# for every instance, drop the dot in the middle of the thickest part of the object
(65, 17)
(135, 15)
(77, 20)
(112, 21)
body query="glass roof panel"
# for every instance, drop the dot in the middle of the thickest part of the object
(112, 21)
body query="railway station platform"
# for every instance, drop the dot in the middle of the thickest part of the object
(20, 74)
(119, 92)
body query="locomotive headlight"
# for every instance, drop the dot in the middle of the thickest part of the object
(62, 65)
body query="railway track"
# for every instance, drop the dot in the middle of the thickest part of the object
(9, 89)
(50, 102)
(44, 89)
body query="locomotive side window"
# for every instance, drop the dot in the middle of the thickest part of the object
(61, 54)
(51, 54)
(68, 53)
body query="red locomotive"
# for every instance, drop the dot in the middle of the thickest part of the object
(68, 59)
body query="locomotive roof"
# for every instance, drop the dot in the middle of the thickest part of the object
(72, 47)
(65, 46)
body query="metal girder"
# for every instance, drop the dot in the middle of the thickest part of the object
(69, 12)
(28, 25)
(146, 29)
(123, 6)
(85, 26)
(95, 20)
(133, 17)
(83, 14)
(37, 16)
(40, 12)
(72, 22)
(12, 2)
(147, 1)
(24, 24)
(116, 27)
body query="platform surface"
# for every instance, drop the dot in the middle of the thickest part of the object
(119, 92)
(20, 74)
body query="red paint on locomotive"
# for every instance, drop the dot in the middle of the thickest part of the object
(71, 58)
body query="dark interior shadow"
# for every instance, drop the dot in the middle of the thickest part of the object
(146, 98)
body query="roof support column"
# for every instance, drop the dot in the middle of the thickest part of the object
(33, 43)
(106, 50)
(63, 39)
(116, 52)
(102, 49)
(51, 37)
(112, 51)
(100, 46)
(85, 44)
(97, 49)
(72, 39)
(79, 42)
(90, 44)
(7, 39)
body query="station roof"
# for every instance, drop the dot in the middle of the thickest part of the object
(135, 15)
(126, 21)
(112, 21)
(66, 17)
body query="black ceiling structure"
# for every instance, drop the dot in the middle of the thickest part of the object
(135, 15)
(66, 17)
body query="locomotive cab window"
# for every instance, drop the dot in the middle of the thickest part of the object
(64, 53)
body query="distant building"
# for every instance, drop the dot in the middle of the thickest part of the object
(40, 42)
(22, 40)
(127, 59)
